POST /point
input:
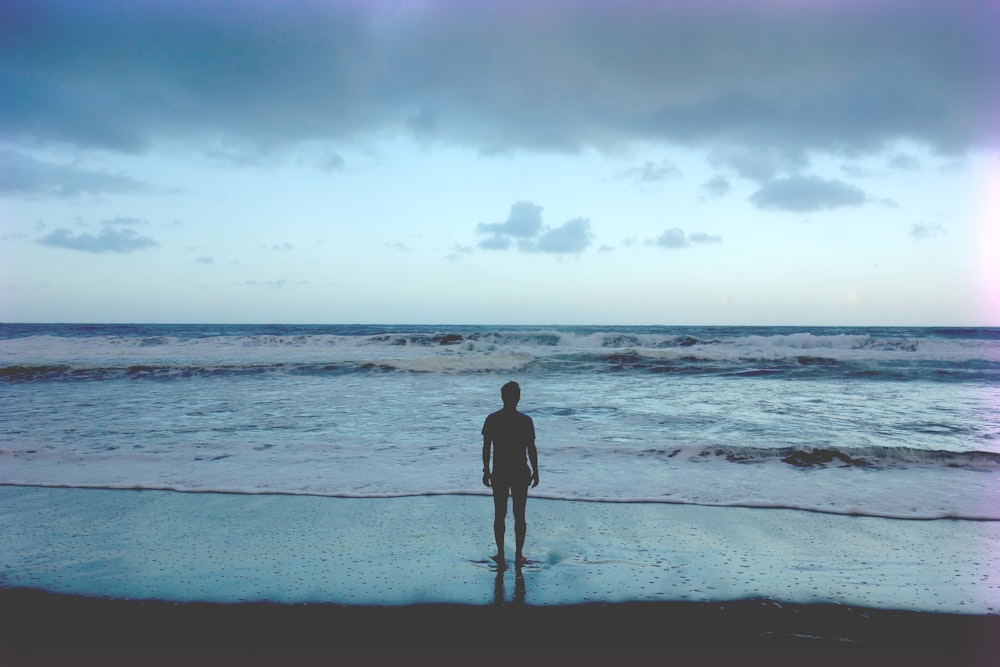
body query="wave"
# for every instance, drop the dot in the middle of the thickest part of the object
(799, 367)
(820, 457)
(63, 372)
(580, 337)
(925, 354)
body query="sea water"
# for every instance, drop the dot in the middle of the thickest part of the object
(886, 422)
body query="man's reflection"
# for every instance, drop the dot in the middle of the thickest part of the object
(500, 589)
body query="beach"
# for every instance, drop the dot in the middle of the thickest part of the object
(274, 489)
(96, 569)
(297, 294)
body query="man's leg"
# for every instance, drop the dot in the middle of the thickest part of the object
(500, 491)
(519, 494)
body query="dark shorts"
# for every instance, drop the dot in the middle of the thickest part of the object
(504, 482)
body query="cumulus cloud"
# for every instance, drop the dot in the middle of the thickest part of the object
(758, 163)
(717, 186)
(570, 237)
(848, 76)
(523, 221)
(22, 175)
(496, 242)
(675, 237)
(800, 194)
(525, 230)
(701, 237)
(108, 239)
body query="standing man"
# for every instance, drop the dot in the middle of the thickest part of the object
(512, 435)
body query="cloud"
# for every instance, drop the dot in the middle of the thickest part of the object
(205, 259)
(496, 242)
(717, 186)
(525, 230)
(903, 162)
(925, 231)
(458, 252)
(849, 76)
(651, 172)
(675, 237)
(571, 237)
(108, 240)
(799, 194)
(331, 162)
(524, 221)
(22, 175)
(758, 163)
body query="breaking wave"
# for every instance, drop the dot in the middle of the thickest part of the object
(821, 457)
(93, 353)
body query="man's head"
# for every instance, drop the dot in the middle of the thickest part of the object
(511, 394)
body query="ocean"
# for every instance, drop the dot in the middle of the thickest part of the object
(901, 423)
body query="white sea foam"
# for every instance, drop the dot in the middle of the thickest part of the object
(522, 344)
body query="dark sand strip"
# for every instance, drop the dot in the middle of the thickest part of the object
(38, 626)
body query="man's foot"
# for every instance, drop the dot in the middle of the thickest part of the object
(520, 560)
(499, 560)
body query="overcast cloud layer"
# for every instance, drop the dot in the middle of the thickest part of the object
(784, 78)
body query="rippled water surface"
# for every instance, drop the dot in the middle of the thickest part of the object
(894, 422)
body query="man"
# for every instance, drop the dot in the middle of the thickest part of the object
(512, 436)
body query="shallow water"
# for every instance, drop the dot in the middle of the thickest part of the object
(233, 548)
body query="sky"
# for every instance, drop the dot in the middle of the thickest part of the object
(770, 162)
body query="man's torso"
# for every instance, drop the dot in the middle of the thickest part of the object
(511, 433)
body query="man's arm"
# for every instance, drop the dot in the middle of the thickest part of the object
(533, 457)
(486, 460)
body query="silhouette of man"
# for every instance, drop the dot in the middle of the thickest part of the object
(512, 436)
